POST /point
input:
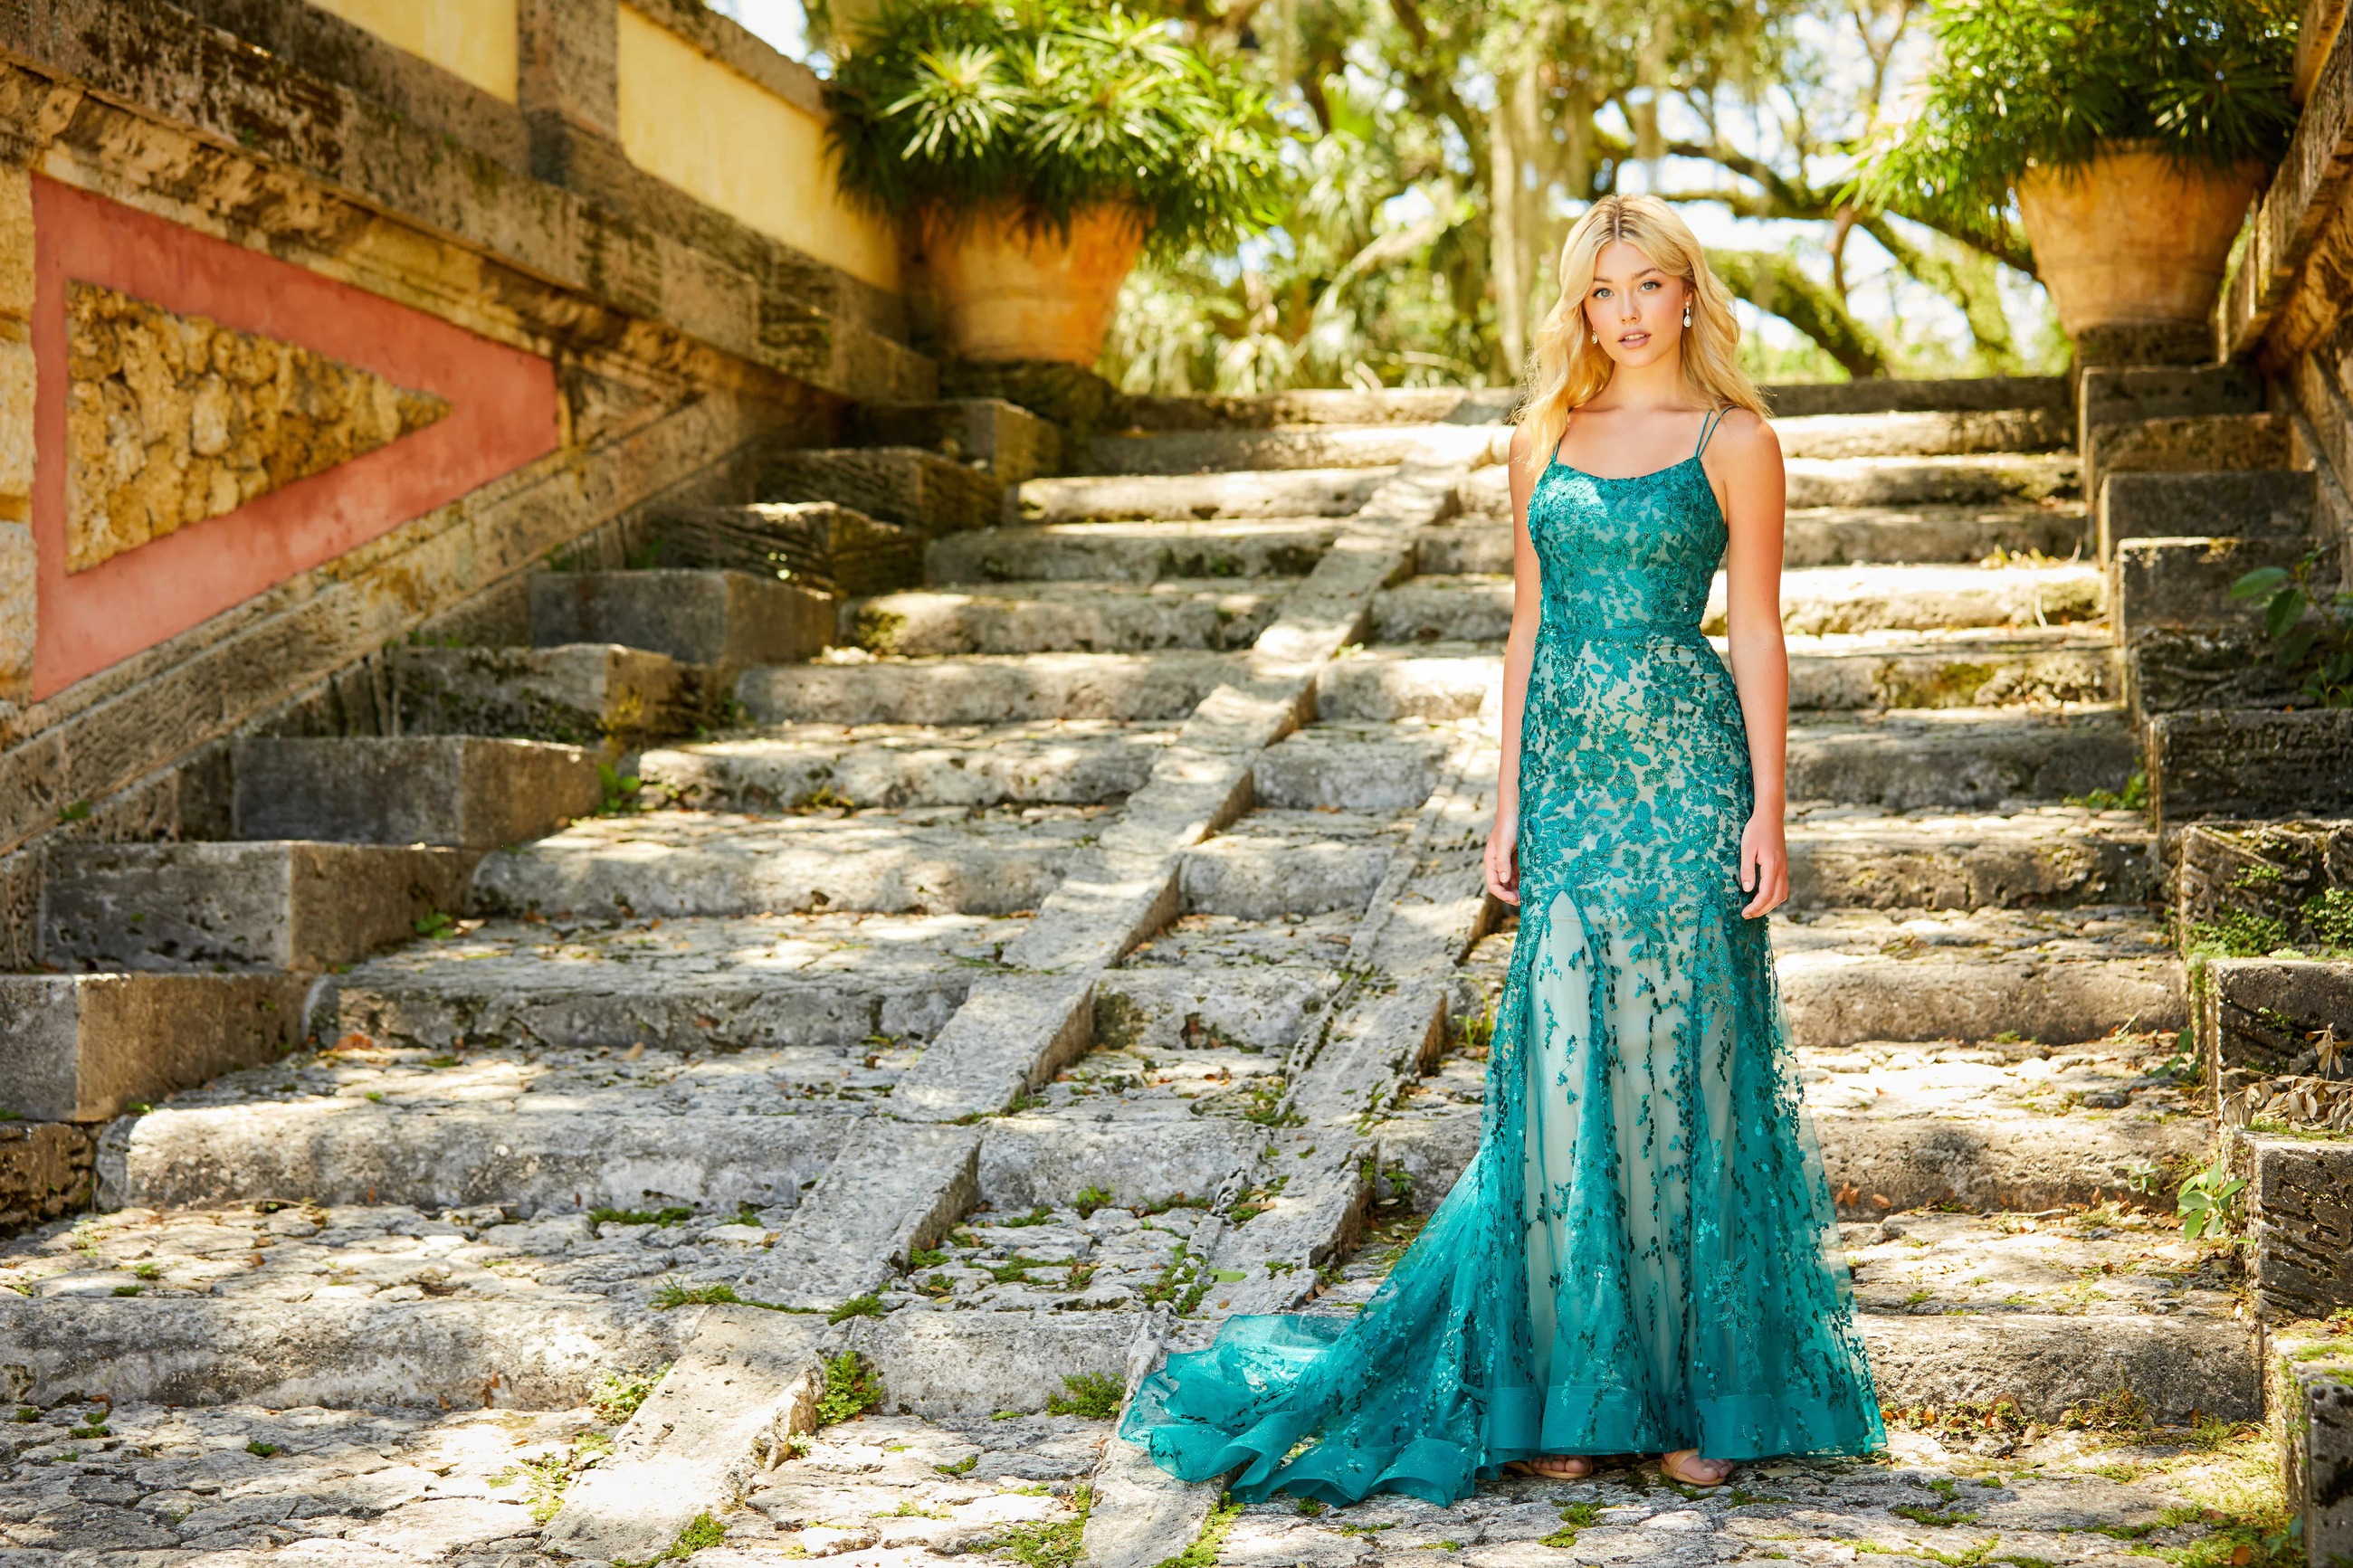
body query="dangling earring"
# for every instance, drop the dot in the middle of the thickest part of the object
(1686, 315)
(1597, 337)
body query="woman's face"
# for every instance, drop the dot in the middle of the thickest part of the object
(1633, 308)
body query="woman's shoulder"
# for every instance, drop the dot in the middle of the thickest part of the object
(1743, 436)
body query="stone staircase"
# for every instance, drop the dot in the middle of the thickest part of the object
(947, 934)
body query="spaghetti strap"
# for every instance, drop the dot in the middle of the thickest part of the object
(1707, 428)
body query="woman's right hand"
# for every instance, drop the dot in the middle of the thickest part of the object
(1503, 861)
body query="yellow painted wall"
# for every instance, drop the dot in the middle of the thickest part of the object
(471, 38)
(726, 140)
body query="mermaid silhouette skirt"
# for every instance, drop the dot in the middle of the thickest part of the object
(1641, 1256)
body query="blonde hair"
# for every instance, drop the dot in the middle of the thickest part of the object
(1568, 371)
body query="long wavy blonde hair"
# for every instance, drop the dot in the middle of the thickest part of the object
(1569, 370)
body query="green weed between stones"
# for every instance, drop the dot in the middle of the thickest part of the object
(1092, 1396)
(1053, 1545)
(1574, 1517)
(704, 1530)
(1203, 1553)
(852, 1387)
(618, 1394)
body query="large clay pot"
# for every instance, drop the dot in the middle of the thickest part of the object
(1007, 293)
(2132, 240)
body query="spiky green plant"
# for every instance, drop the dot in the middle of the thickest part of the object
(954, 109)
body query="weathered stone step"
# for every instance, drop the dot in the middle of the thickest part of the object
(1063, 617)
(465, 792)
(2261, 503)
(1983, 480)
(923, 491)
(1351, 767)
(1245, 450)
(1310, 492)
(729, 619)
(1957, 433)
(998, 689)
(1078, 762)
(80, 1048)
(821, 545)
(198, 1478)
(1816, 601)
(1823, 536)
(281, 905)
(1850, 856)
(1906, 760)
(543, 1128)
(2039, 665)
(342, 1306)
(2121, 1261)
(2055, 977)
(1016, 443)
(2113, 394)
(1899, 395)
(1275, 863)
(578, 694)
(2176, 1367)
(1239, 548)
(2184, 444)
(665, 863)
(1310, 406)
(804, 981)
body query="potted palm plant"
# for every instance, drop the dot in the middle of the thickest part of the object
(1036, 149)
(2132, 132)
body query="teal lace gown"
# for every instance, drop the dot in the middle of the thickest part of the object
(1641, 1255)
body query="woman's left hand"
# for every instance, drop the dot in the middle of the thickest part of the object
(1764, 865)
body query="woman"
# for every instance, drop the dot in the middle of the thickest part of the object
(1638, 1260)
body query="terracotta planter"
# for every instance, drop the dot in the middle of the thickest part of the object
(2130, 240)
(1009, 294)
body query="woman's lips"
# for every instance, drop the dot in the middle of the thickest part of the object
(1633, 340)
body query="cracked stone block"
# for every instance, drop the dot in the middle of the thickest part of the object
(1923, 433)
(2315, 1435)
(2218, 762)
(82, 1047)
(1136, 552)
(726, 619)
(2279, 878)
(923, 491)
(2183, 585)
(1856, 857)
(2262, 503)
(945, 1363)
(463, 791)
(245, 905)
(2048, 1362)
(2299, 1200)
(2265, 1018)
(991, 689)
(2170, 670)
(1016, 443)
(821, 545)
(579, 694)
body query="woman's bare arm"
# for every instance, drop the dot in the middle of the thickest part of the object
(1519, 656)
(1744, 461)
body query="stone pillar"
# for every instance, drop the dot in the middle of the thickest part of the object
(17, 604)
(567, 85)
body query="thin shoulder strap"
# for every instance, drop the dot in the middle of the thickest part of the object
(1707, 428)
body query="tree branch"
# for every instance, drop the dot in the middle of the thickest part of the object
(1774, 283)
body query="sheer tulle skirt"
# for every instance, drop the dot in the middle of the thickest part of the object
(1641, 1256)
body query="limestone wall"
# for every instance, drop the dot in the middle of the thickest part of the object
(320, 323)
